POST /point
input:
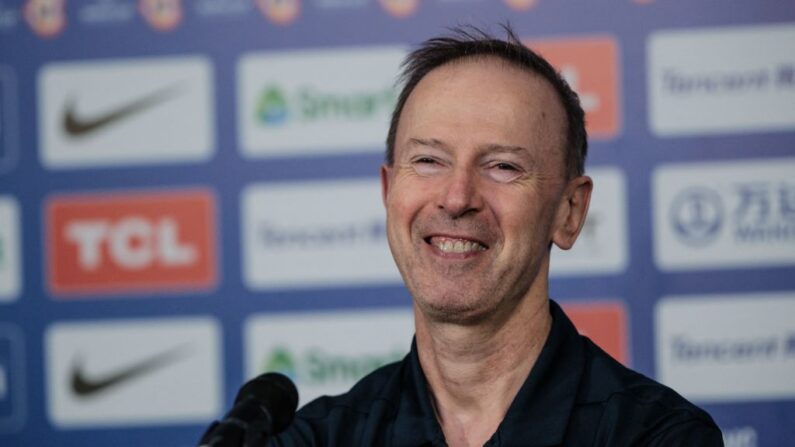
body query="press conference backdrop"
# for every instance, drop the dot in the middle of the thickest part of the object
(189, 197)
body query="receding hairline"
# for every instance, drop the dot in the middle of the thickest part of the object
(487, 58)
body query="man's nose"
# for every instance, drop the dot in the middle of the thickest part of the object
(460, 194)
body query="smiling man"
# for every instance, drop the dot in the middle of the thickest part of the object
(484, 173)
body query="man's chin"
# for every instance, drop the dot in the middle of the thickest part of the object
(444, 310)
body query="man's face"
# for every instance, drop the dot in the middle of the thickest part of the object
(474, 196)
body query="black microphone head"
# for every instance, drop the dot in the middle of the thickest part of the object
(275, 392)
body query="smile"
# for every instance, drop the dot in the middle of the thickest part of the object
(455, 245)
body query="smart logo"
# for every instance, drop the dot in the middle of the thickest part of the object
(342, 347)
(697, 215)
(725, 214)
(285, 109)
(131, 242)
(319, 368)
(591, 67)
(308, 105)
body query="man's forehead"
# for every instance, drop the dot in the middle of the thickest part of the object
(510, 98)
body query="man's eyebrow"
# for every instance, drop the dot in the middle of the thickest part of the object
(432, 142)
(506, 148)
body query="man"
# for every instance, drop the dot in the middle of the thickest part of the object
(483, 173)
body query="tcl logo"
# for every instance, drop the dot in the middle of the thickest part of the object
(590, 66)
(605, 323)
(128, 242)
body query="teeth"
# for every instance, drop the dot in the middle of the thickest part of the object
(457, 246)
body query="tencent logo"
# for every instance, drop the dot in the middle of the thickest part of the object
(591, 66)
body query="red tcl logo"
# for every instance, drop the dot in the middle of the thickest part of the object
(129, 242)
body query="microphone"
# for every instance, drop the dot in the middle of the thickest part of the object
(264, 407)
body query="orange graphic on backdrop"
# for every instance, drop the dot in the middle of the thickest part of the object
(47, 18)
(162, 15)
(400, 8)
(605, 323)
(127, 242)
(591, 67)
(281, 12)
(521, 5)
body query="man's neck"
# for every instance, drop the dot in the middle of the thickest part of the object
(475, 371)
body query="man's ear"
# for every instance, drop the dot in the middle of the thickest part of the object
(386, 173)
(571, 212)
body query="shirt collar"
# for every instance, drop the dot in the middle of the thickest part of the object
(537, 416)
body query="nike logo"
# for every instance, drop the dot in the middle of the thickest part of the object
(84, 386)
(76, 126)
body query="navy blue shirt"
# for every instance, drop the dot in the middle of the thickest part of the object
(575, 395)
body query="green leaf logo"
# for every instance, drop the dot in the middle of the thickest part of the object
(272, 106)
(281, 360)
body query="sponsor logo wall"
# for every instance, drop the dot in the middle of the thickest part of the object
(189, 197)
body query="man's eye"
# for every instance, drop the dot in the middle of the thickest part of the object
(506, 167)
(425, 160)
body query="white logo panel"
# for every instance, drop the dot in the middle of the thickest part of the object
(341, 348)
(602, 244)
(727, 348)
(725, 214)
(133, 372)
(10, 255)
(728, 80)
(316, 102)
(123, 112)
(315, 234)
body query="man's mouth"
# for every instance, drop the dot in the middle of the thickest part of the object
(455, 245)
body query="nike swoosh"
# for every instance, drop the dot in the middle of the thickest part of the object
(87, 387)
(79, 127)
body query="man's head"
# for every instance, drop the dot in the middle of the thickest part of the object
(477, 187)
(466, 43)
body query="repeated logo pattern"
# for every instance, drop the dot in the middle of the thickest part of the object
(288, 127)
